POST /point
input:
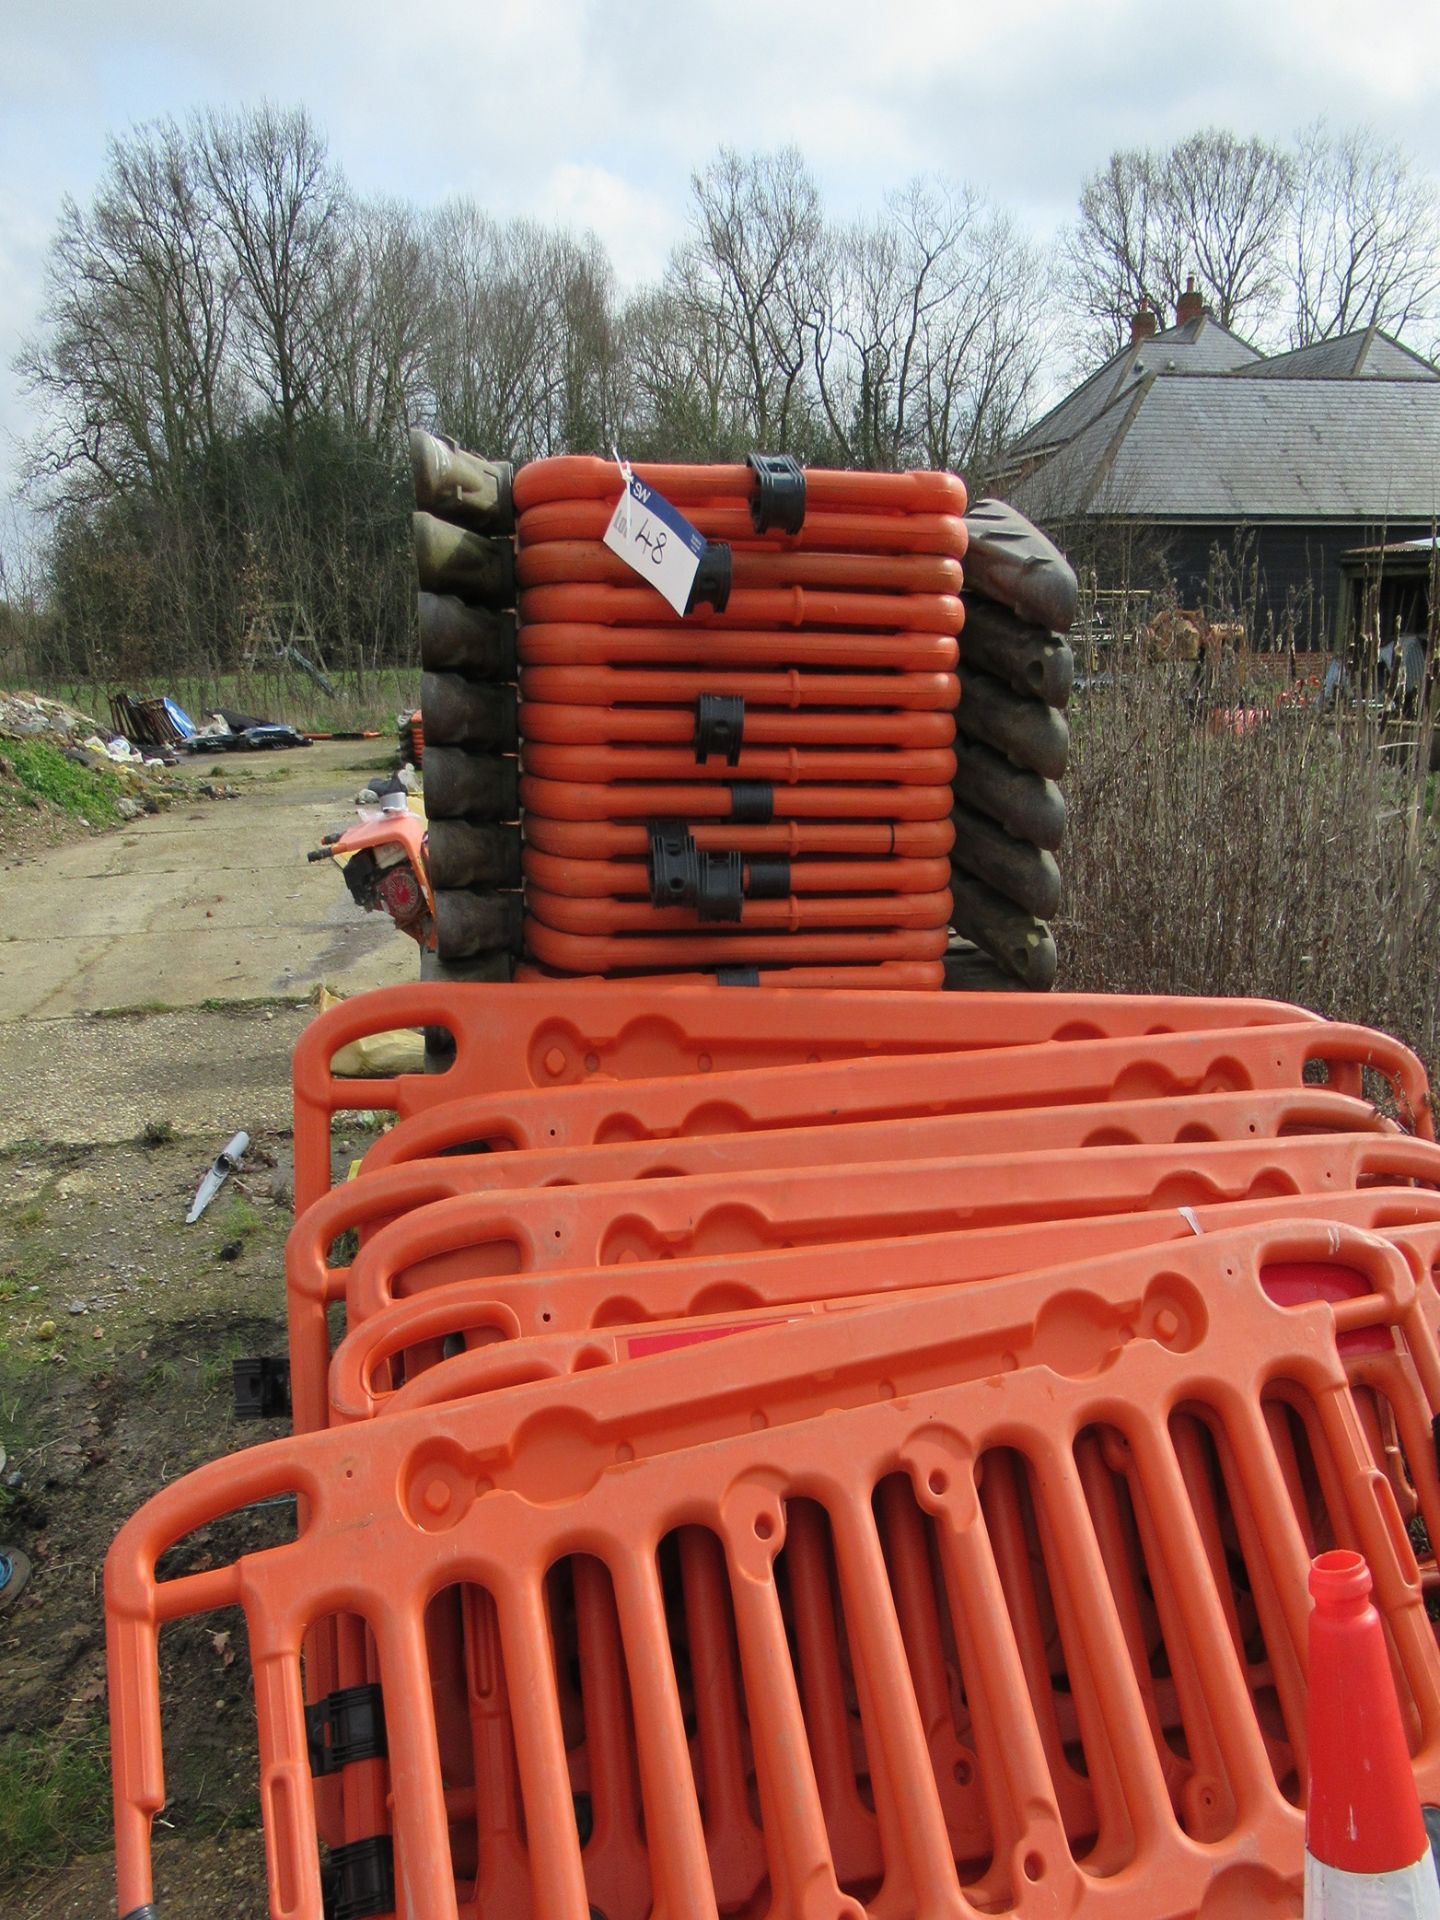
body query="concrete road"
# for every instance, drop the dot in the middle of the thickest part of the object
(209, 902)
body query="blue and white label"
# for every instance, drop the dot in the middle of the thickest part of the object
(656, 540)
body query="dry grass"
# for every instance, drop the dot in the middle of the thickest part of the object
(1300, 860)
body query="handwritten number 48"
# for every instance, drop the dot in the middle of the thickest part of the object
(655, 546)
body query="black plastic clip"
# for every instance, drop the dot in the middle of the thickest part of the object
(719, 727)
(262, 1387)
(711, 585)
(718, 891)
(737, 976)
(769, 880)
(358, 1880)
(344, 1727)
(672, 864)
(778, 503)
(752, 802)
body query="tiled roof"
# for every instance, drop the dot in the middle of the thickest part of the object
(1200, 346)
(1366, 354)
(1211, 446)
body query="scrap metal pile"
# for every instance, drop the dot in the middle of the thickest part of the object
(833, 1453)
(832, 760)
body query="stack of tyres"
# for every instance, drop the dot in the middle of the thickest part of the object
(465, 558)
(1009, 816)
(836, 1453)
(759, 788)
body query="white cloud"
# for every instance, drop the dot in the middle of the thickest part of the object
(595, 114)
(637, 225)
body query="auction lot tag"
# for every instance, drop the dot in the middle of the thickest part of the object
(656, 540)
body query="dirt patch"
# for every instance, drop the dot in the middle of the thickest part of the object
(118, 1327)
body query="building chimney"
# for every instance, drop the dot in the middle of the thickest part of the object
(1144, 322)
(1191, 305)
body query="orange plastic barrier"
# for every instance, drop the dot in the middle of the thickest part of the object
(543, 1036)
(982, 1081)
(530, 1231)
(387, 1193)
(748, 608)
(499, 1318)
(563, 724)
(628, 952)
(565, 799)
(887, 976)
(830, 531)
(570, 477)
(563, 563)
(579, 642)
(514, 1350)
(614, 840)
(594, 915)
(793, 689)
(920, 766)
(604, 879)
(1079, 1603)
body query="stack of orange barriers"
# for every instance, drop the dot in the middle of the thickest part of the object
(818, 1454)
(763, 784)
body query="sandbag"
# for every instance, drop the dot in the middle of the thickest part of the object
(462, 712)
(1018, 869)
(1034, 662)
(470, 786)
(1025, 731)
(1027, 806)
(460, 486)
(1022, 944)
(1011, 561)
(455, 638)
(449, 559)
(462, 854)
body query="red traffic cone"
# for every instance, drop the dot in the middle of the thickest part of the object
(1367, 1856)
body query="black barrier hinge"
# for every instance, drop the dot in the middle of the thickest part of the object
(358, 1880)
(672, 864)
(778, 502)
(769, 880)
(752, 802)
(737, 976)
(711, 585)
(718, 891)
(344, 1727)
(719, 727)
(262, 1387)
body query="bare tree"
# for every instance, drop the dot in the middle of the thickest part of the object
(522, 355)
(1225, 201)
(1118, 252)
(1213, 205)
(1364, 236)
(752, 273)
(887, 279)
(927, 341)
(378, 320)
(278, 201)
(131, 365)
(678, 402)
(983, 347)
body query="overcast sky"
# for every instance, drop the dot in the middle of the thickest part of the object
(594, 112)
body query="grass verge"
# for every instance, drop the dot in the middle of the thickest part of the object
(54, 1801)
(38, 774)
